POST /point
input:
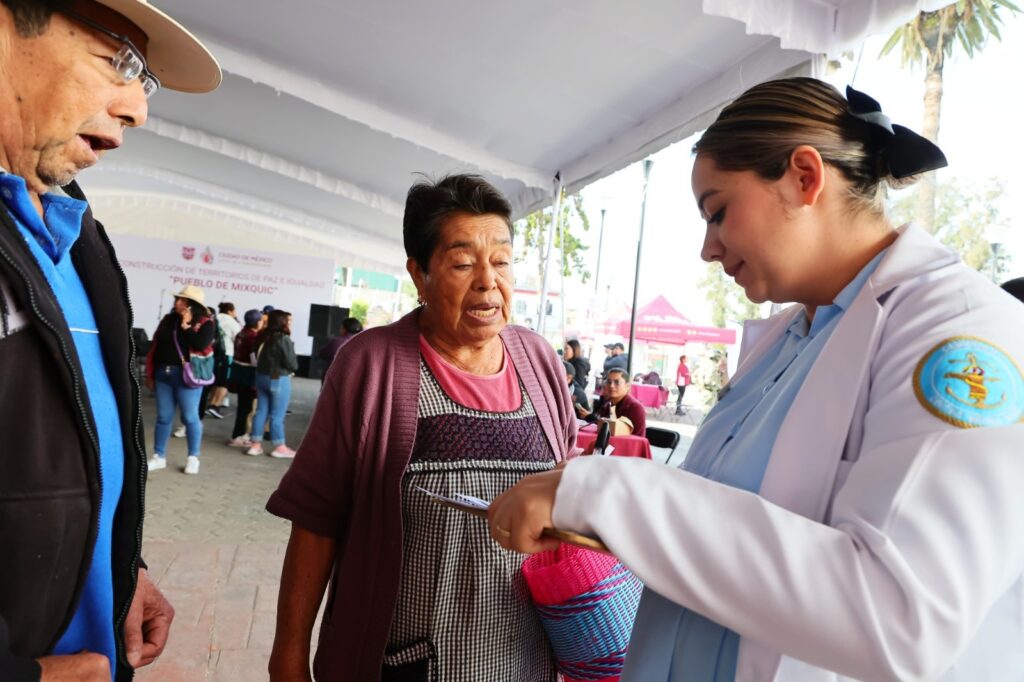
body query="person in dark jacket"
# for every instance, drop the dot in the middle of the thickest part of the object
(275, 364)
(350, 326)
(581, 365)
(1015, 287)
(579, 395)
(76, 602)
(187, 330)
(243, 376)
(617, 358)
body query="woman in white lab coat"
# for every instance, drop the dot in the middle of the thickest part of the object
(853, 507)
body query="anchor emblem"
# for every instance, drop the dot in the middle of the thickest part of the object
(973, 374)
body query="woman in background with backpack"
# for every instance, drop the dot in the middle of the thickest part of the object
(185, 331)
(275, 365)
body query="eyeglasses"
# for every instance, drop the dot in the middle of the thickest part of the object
(128, 61)
(614, 382)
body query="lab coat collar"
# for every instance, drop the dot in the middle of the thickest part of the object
(915, 252)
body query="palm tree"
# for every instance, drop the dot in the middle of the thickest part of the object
(929, 39)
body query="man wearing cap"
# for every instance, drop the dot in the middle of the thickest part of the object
(617, 357)
(75, 600)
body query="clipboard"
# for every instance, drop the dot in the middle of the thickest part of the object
(478, 508)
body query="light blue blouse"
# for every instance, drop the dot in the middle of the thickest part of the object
(733, 447)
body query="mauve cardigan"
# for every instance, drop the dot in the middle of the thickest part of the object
(346, 480)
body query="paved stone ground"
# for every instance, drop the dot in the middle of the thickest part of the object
(216, 553)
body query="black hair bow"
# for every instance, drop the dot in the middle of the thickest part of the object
(906, 152)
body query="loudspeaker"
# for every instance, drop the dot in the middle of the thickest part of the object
(317, 365)
(325, 320)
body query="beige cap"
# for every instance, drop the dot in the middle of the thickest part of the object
(174, 55)
(192, 293)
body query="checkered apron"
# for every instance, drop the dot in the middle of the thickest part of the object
(464, 613)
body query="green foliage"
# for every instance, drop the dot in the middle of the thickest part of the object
(359, 310)
(532, 233)
(964, 213)
(710, 374)
(728, 302)
(930, 37)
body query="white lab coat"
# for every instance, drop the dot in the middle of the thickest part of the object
(885, 543)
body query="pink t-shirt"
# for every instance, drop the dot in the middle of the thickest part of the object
(495, 393)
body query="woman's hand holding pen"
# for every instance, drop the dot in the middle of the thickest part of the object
(519, 515)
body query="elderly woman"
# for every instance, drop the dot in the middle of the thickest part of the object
(450, 399)
(851, 507)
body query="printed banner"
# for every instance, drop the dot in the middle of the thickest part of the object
(158, 268)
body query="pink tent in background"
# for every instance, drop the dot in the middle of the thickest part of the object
(659, 322)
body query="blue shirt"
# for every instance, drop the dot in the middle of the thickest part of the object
(50, 240)
(733, 447)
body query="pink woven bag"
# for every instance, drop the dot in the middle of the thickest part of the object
(587, 602)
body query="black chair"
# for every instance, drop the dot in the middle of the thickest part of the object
(663, 438)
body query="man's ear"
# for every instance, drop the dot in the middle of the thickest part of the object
(806, 172)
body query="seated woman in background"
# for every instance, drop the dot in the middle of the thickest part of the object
(451, 399)
(615, 402)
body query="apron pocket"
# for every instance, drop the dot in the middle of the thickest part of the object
(416, 662)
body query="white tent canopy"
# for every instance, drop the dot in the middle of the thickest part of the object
(329, 109)
(821, 26)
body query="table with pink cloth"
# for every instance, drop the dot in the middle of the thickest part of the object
(646, 394)
(649, 396)
(624, 446)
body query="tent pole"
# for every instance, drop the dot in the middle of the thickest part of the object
(636, 279)
(555, 215)
(561, 271)
(600, 242)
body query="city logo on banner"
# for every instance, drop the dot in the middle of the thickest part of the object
(188, 252)
(208, 256)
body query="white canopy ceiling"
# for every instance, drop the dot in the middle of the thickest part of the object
(329, 109)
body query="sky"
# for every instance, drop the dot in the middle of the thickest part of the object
(979, 132)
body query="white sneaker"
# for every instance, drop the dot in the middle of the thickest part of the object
(156, 463)
(242, 441)
(192, 465)
(226, 403)
(179, 432)
(255, 449)
(282, 451)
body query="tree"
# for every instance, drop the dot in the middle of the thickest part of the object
(728, 302)
(964, 214)
(929, 39)
(532, 234)
(359, 310)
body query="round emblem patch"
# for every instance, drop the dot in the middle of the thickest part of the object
(969, 383)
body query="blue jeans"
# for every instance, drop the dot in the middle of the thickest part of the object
(171, 392)
(272, 396)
